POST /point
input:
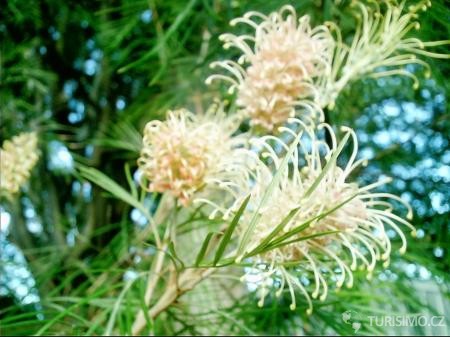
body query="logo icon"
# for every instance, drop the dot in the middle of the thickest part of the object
(352, 317)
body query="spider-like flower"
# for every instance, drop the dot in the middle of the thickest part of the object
(17, 158)
(314, 220)
(184, 153)
(379, 48)
(277, 64)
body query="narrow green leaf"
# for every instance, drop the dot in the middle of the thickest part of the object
(202, 252)
(175, 255)
(228, 261)
(267, 193)
(227, 236)
(115, 143)
(115, 311)
(303, 238)
(277, 229)
(112, 187)
(172, 29)
(328, 165)
(130, 180)
(300, 228)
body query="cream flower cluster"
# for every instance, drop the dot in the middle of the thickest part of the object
(17, 158)
(287, 63)
(277, 66)
(305, 216)
(379, 48)
(185, 152)
(330, 215)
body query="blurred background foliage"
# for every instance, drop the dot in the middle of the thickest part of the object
(88, 75)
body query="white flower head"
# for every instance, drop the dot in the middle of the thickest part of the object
(182, 154)
(17, 158)
(277, 65)
(306, 216)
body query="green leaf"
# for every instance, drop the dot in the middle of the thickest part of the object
(130, 181)
(175, 255)
(112, 187)
(112, 318)
(227, 236)
(267, 193)
(202, 252)
(162, 41)
(328, 165)
(277, 229)
(303, 238)
(300, 228)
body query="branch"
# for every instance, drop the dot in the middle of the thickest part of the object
(186, 282)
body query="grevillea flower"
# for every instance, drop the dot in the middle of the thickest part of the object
(380, 47)
(277, 64)
(182, 154)
(306, 217)
(17, 158)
